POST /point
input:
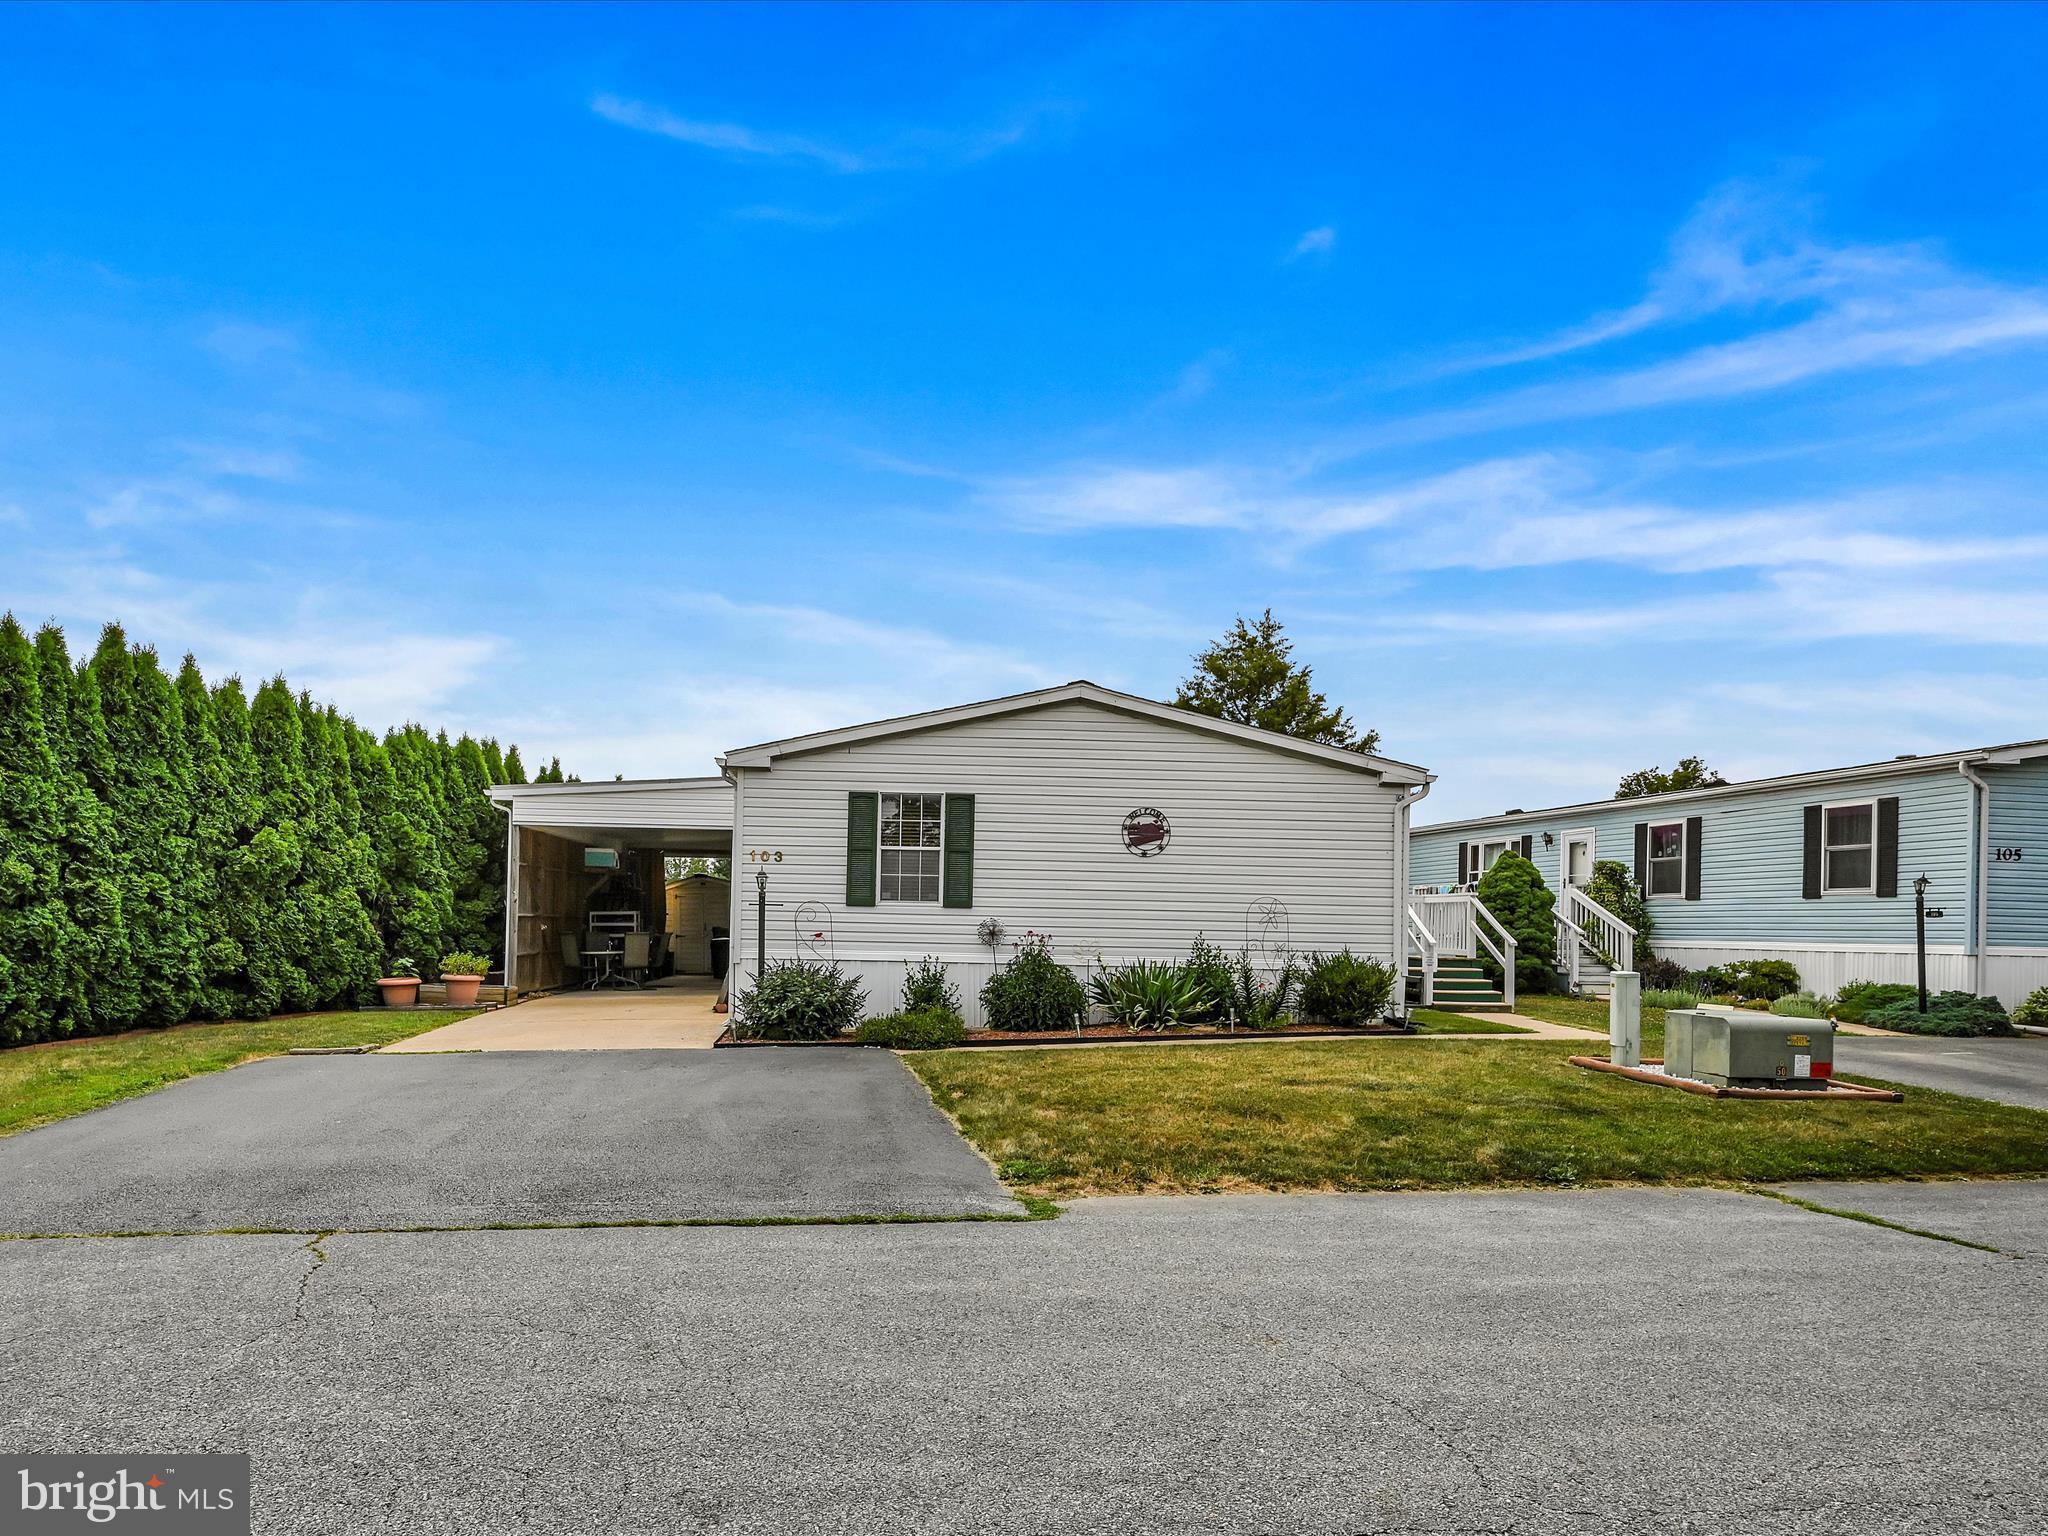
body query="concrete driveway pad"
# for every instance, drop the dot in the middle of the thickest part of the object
(323, 1142)
(2009, 1071)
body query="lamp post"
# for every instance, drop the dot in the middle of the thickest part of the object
(761, 925)
(1920, 933)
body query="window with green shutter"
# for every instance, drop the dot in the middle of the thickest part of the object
(959, 851)
(861, 836)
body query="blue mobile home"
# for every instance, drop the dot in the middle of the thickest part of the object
(1814, 868)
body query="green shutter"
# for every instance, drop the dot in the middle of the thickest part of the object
(863, 812)
(959, 857)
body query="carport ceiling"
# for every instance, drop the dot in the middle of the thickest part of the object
(707, 842)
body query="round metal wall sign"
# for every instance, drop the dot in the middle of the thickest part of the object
(1146, 832)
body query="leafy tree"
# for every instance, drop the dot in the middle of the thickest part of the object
(218, 819)
(1514, 892)
(341, 961)
(243, 943)
(145, 781)
(1614, 888)
(1249, 676)
(413, 838)
(477, 842)
(1690, 773)
(95, 987)
(37, 936)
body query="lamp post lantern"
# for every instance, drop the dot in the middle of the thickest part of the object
(1920, 934)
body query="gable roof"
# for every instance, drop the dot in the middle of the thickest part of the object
(1387, 769)
(2014, 752)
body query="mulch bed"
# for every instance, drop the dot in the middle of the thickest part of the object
(1100, 1034)
(1833, 1090)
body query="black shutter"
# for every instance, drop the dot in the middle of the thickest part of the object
(1643, 857)
(1464, 860)
(1810, 890)
(1528, 845)
(959, 855)
(1888, 846)
(1692, 858)
(863, 831)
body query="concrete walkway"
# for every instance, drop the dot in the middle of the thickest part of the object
(671, 1015)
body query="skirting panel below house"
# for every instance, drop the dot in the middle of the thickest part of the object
(2010, 974)
(1829, 970)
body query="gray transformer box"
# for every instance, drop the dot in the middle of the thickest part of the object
(1748, 1050)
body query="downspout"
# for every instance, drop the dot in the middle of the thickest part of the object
(1401, 895)
(1980, 870)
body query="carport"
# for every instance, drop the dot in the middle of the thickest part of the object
(576, 854)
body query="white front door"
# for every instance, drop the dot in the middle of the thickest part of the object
(1578, 858)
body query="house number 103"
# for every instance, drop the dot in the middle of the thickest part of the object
(764, 855)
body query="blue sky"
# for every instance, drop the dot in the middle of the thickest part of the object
(1583, 387)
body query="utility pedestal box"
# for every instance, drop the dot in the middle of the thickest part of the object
(1748, 1050)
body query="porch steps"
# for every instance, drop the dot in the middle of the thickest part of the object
(1593, 975)
(1461, 986)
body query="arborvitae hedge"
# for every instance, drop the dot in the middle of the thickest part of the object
(172, 851)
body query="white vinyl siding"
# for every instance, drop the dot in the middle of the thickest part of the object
(1052, 786)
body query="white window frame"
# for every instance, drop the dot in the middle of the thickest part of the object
(1650, 861)
(1869, 888)
(881, 848)
(1483, 861)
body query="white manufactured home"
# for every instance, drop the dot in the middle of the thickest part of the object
(1118, 828)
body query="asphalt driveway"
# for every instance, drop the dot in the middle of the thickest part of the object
(1604, 1363)
(326, 1142)
(2011, 1071)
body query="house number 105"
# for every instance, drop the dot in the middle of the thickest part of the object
(764, 855)
(2007, 855)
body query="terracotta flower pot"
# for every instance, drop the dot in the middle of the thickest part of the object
(400, 991)
(462, 990)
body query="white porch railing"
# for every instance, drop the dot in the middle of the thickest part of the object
(1426, 946)
(1462, 927)
(1582, 924)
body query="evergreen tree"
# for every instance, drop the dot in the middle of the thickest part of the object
(341, 960)
(515, 770)
(214, 842)
(1512, 889)
(494, 761)
(97, 981)
(37, 938)
(247, 890)
(422, 912)
(278, 851)
(149, 792)
(1249, 676)
(477, 840)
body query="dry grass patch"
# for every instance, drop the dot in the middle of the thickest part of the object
(1395, 1115)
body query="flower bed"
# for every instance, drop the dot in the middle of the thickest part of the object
(1099, 1033)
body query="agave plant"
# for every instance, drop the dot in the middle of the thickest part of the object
(1150, 994)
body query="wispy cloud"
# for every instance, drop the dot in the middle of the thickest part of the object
(925, 650)
(903, 150)
(329, 641)
(727, 138)
(1744, 254)
(1319, 241)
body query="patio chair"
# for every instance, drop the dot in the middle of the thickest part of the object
(574, 966)
(638, 958)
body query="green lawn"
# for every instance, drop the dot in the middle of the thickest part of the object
(1591, 1013)
(41, 1083)
(1434, 1021)
(1399, 1115)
